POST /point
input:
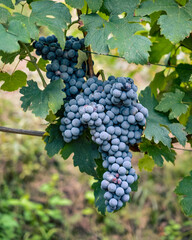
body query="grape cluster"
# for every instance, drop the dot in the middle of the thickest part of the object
(48, 48)
(63, 62)
(111, 111)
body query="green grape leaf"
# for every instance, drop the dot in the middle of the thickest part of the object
(155, 28)
(18, 1)
(176, 24)
(187, 42)
(51, 117)
(17, 29)
(134, 186)
(53, 15)
(158, 152)
(8, 57)
(75, 3)
(134, 48)
(7, 3)
(158, 82)
(16, 32)
(160, 47)
(116, 7)
(184, 190)
(185, 72)
(146, 163)
(82, 57)
(83, 156)
(177, 129)
(53, 139)
(13, 82)
(94, 5)
(158, 126)
(96, 34)
(189, 125)
(4, 15)
(41, 64)
(41, 101)
(172, 102)
(99, 199)
(31, 27)
(100, 169)
(182, 2)
(31, 67)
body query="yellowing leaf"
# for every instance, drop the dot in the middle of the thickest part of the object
(13, 82)
(146, 163)
(82, 57)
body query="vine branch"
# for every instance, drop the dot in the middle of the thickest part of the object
(34, 63)
(134, 148)
(88, 50)
(21, 131)
(16, 66)
(71, 24)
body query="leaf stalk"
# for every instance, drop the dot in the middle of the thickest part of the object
(34, 63)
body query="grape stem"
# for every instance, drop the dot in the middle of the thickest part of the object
(88, 50)
(68, 27)
(134, 148)
(101, 72)
(16, 66)
(33, 61)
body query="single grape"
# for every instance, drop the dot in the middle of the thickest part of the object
(113, 202)
(115, 167)
(111, 159)
(139, 117)
(111, 187)
(122, 171)
(107, 195)
(127, 164)
(119, 191)
(130, 179)
(104, 184)
(124, 185)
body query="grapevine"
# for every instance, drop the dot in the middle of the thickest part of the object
(110, 109)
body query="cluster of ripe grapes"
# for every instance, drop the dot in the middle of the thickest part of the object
(63, 62)
(111, 111)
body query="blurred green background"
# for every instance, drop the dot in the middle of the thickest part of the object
(49, 199)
